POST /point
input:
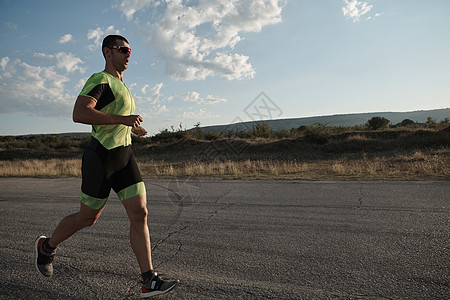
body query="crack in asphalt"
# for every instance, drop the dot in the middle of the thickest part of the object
(361, 199)
(178, 250)
(189, 226)
(361, 195)
(213, 214)
(180, 199)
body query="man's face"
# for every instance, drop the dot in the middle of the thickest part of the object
(118, 59)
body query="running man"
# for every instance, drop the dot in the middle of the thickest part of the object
(108, 162)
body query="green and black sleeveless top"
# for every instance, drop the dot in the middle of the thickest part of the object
(112, 97)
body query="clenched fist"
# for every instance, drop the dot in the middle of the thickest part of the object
(133, 120)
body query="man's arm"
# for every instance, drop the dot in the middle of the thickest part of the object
(84, 112)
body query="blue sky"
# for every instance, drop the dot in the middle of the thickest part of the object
(222, 61)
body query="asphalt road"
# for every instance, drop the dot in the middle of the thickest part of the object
(238, 240)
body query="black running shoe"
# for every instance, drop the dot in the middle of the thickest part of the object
(156, 286)
(43, 260)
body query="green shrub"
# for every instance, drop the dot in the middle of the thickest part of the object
(317, 134)
(166, 136)
(378, 123)
(262, 130)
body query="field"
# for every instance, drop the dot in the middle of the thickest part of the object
(315, 152)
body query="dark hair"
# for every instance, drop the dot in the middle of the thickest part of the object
(110, 41)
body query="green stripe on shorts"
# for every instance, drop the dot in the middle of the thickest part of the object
(131, 191)
(92, 202)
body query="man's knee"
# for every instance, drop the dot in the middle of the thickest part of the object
(139, 214)
(88, 216)
(136, 208)
(86, 221)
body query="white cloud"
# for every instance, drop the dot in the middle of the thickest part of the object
(375, 16)
(65, 38)
(98, 34)
(64, 61)
(152, 101)
(195, 97)
(151, 95)
(39, 89)
(156, 90)
(150, 113)
(154, 95)
(81, 83)
(68, 62)
(197, 40)
(159, 109)
(192, 97)
(43, 58)
(144, 89)
(132, 86)
(34, 89)
(5, 72)
(3, 62)
(196, 115)
(354, 9)
(11, 26)
(129, 7)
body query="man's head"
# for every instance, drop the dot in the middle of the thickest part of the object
(112, 40)
(116, 50)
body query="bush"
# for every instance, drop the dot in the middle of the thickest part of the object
(283, 134)
(378, 123)
(84, 142)
(213, 136)
(197, 133)
(139, 140)
(407, 122)
(262, 130)
(431, 123)
(242, 135)
(166, 136)
(317, 134)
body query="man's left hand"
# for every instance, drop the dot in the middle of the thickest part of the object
(139, 131)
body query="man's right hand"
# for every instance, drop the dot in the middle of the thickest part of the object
(132, 120)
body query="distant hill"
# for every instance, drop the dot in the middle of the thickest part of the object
(75, 134)
(66, 134)
(419, 116)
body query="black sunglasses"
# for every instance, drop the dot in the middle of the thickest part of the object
(121, 49)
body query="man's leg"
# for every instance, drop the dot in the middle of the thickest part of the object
(45, 247)
(137, 212)
(152, 283)
(68, 226)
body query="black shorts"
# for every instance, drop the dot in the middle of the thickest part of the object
(103, 169)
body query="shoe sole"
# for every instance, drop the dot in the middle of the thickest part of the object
(36, 249)
(156, 293)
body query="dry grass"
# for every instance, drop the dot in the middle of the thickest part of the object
(41, 168)
(409, 167)
(416, 166)
(419, 165)
(221, 169)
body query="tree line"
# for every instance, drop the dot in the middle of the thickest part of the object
(315, 133)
